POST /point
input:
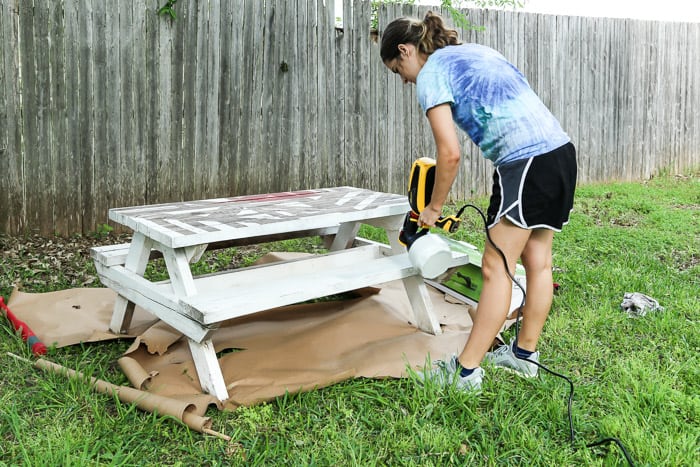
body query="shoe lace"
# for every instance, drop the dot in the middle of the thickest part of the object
(446, 365)
(504, 349)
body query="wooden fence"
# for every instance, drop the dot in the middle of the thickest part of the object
(106, 104)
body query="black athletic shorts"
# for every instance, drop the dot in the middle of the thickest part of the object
(535, 193)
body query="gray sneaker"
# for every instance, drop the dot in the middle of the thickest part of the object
(446, 373)
(503, 357)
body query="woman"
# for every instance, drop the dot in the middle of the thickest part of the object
(477, 89)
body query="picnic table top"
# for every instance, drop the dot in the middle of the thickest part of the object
(189, 223)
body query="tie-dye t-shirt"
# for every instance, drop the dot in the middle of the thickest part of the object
(491, 100)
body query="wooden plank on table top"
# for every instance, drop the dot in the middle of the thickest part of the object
(339, 199)
(206, 221)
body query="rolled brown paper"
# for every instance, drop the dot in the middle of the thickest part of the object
(142, 399)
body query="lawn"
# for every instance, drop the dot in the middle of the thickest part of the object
(635, 379)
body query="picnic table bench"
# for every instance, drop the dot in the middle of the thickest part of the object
(196, 305)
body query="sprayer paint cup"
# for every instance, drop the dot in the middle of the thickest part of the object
(430, 255)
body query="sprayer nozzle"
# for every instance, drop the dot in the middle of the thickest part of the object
(410, 232)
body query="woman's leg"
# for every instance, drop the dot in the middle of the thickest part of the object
(537, 260)
(496, 291)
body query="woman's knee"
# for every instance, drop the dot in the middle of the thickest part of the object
(492, 265)
(504, 246)
(489, 266)
(537, 256)
(536, 261)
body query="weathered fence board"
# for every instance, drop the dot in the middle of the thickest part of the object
(12, 191)
(107, 105)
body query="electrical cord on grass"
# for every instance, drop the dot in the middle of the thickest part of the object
(517, 329)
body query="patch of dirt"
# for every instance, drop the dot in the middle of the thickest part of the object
(47, 263)
(681, 260)
(41, 264)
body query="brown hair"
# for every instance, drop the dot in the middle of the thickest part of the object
(427, 35)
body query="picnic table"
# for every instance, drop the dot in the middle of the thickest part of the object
(196, 305)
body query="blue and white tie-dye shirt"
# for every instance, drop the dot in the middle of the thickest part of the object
(491, 100)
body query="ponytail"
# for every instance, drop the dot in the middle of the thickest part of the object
(436, 35)
(427, 35)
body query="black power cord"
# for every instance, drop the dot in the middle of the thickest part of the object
(517, 329)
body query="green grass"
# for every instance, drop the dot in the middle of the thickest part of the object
(635, 379)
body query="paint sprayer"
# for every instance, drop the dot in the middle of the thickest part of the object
(428, 253)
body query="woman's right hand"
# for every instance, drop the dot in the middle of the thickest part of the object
(428, 216)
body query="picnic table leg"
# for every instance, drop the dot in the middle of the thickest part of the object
(136, 261)
(208, 369)
(177, 261)
(416, 289)
(345, 236)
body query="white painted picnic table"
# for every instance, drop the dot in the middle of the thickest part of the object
(195, 305)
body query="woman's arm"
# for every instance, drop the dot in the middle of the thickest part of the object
(448, 156)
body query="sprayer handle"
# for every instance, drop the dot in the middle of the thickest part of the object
(448, 224)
